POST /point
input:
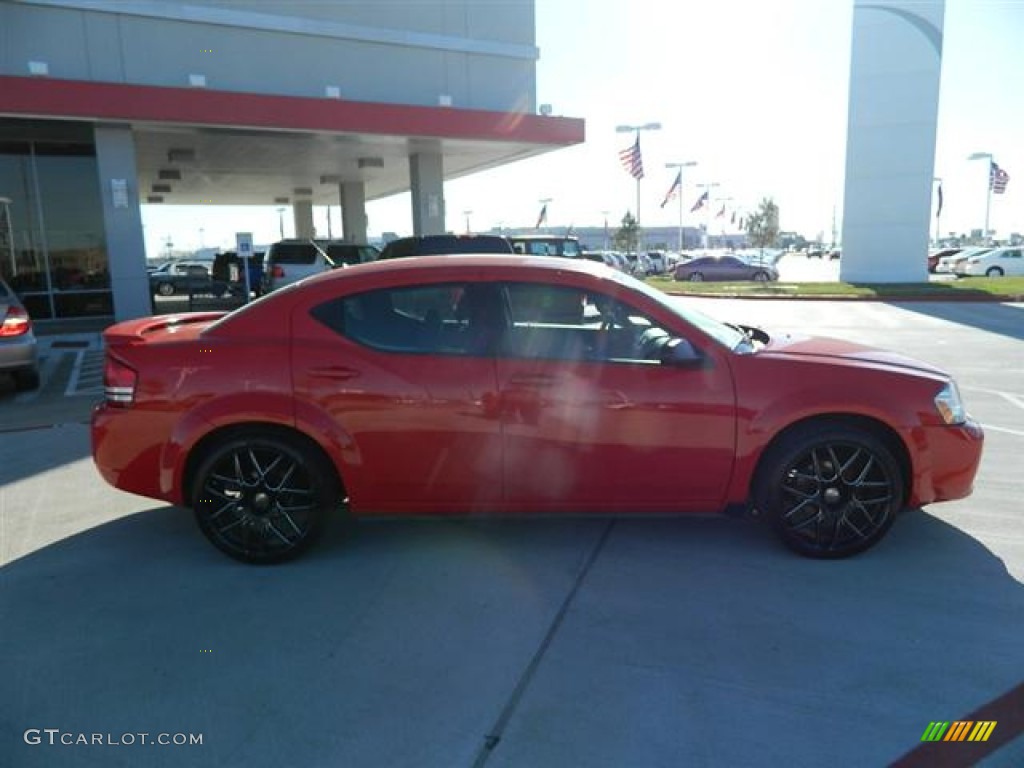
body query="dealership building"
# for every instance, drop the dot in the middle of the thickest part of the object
(105, 106)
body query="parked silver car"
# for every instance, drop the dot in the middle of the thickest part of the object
(19, 356)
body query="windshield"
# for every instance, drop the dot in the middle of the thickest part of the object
(728, 336)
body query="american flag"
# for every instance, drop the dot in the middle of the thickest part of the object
(997, 178)
(674, 189)
(721, 213)
(938, 208)
(542, 216)
(632, 161)
(700, 202)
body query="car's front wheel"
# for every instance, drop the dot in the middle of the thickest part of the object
(696, 277)
(994, 272)
(264, 499)
(829, 490)
(761, 277)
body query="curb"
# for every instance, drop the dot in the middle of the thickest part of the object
(983, 299)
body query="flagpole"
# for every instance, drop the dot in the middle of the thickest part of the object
(680, 166)
(988, 181)
(938, 212)
(636, 129)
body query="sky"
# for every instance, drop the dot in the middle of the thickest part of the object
(754, 92)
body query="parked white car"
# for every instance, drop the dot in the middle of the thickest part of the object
(994, 263)
(946, 265)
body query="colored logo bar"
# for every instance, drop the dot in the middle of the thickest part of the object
(960, 730)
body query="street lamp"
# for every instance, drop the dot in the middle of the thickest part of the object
(636, 129)
(605, 214)
(280, 221)
(467, 214)
(988, 185)
(680, 166)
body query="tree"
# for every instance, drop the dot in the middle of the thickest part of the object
(628, 236)
(763, 226)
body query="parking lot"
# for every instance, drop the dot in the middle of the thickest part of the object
(554, 642)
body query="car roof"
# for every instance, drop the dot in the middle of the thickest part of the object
(469, 262)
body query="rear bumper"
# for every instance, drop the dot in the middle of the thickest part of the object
(19, 353)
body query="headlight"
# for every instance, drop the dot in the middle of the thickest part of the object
(949, 405)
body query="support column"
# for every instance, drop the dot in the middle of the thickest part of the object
(895, 66)
(353, 211)
(426, 176)
(122, 221)
(302, 212)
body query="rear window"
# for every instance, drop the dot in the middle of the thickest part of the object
(433, 245)
(293, 253)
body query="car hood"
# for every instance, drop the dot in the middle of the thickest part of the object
(837, 350)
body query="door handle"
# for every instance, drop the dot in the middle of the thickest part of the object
(333, 372)
(533, 380)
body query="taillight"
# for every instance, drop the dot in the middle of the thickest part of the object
(277, 271)
(16, 322)
(118, 382)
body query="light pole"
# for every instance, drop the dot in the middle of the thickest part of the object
(938, 209)
(636, 129)
(605, 214)
(680, 166)
(280, 221)
(988, 186)
(467, 214)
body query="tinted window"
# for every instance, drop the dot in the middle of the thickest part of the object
(444, 319)
(293, 253)
(561, 323)
(432, 245)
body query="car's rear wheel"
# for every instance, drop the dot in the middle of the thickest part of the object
(761, 277)
(994, 272)
(26, 379)
(830, 490)
(264, 499)
(165, 289)
(696, 277)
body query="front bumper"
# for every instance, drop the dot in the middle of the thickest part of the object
(949, 457)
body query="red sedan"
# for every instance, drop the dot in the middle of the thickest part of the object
(510, 384)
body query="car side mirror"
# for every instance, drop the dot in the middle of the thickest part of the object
(682, 353)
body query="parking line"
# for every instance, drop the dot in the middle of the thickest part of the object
(1016, 432)
(76, 369)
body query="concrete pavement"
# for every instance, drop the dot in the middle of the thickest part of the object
(596, 642)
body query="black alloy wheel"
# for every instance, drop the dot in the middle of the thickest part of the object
(761, 276)
(696, 277)
(830, 491)
(264, 499)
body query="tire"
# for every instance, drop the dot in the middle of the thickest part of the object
(994, 272)
(829, 490)
(26, 379)
(264, 499)
(761, 277)
(696, 277)
(165, 289)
